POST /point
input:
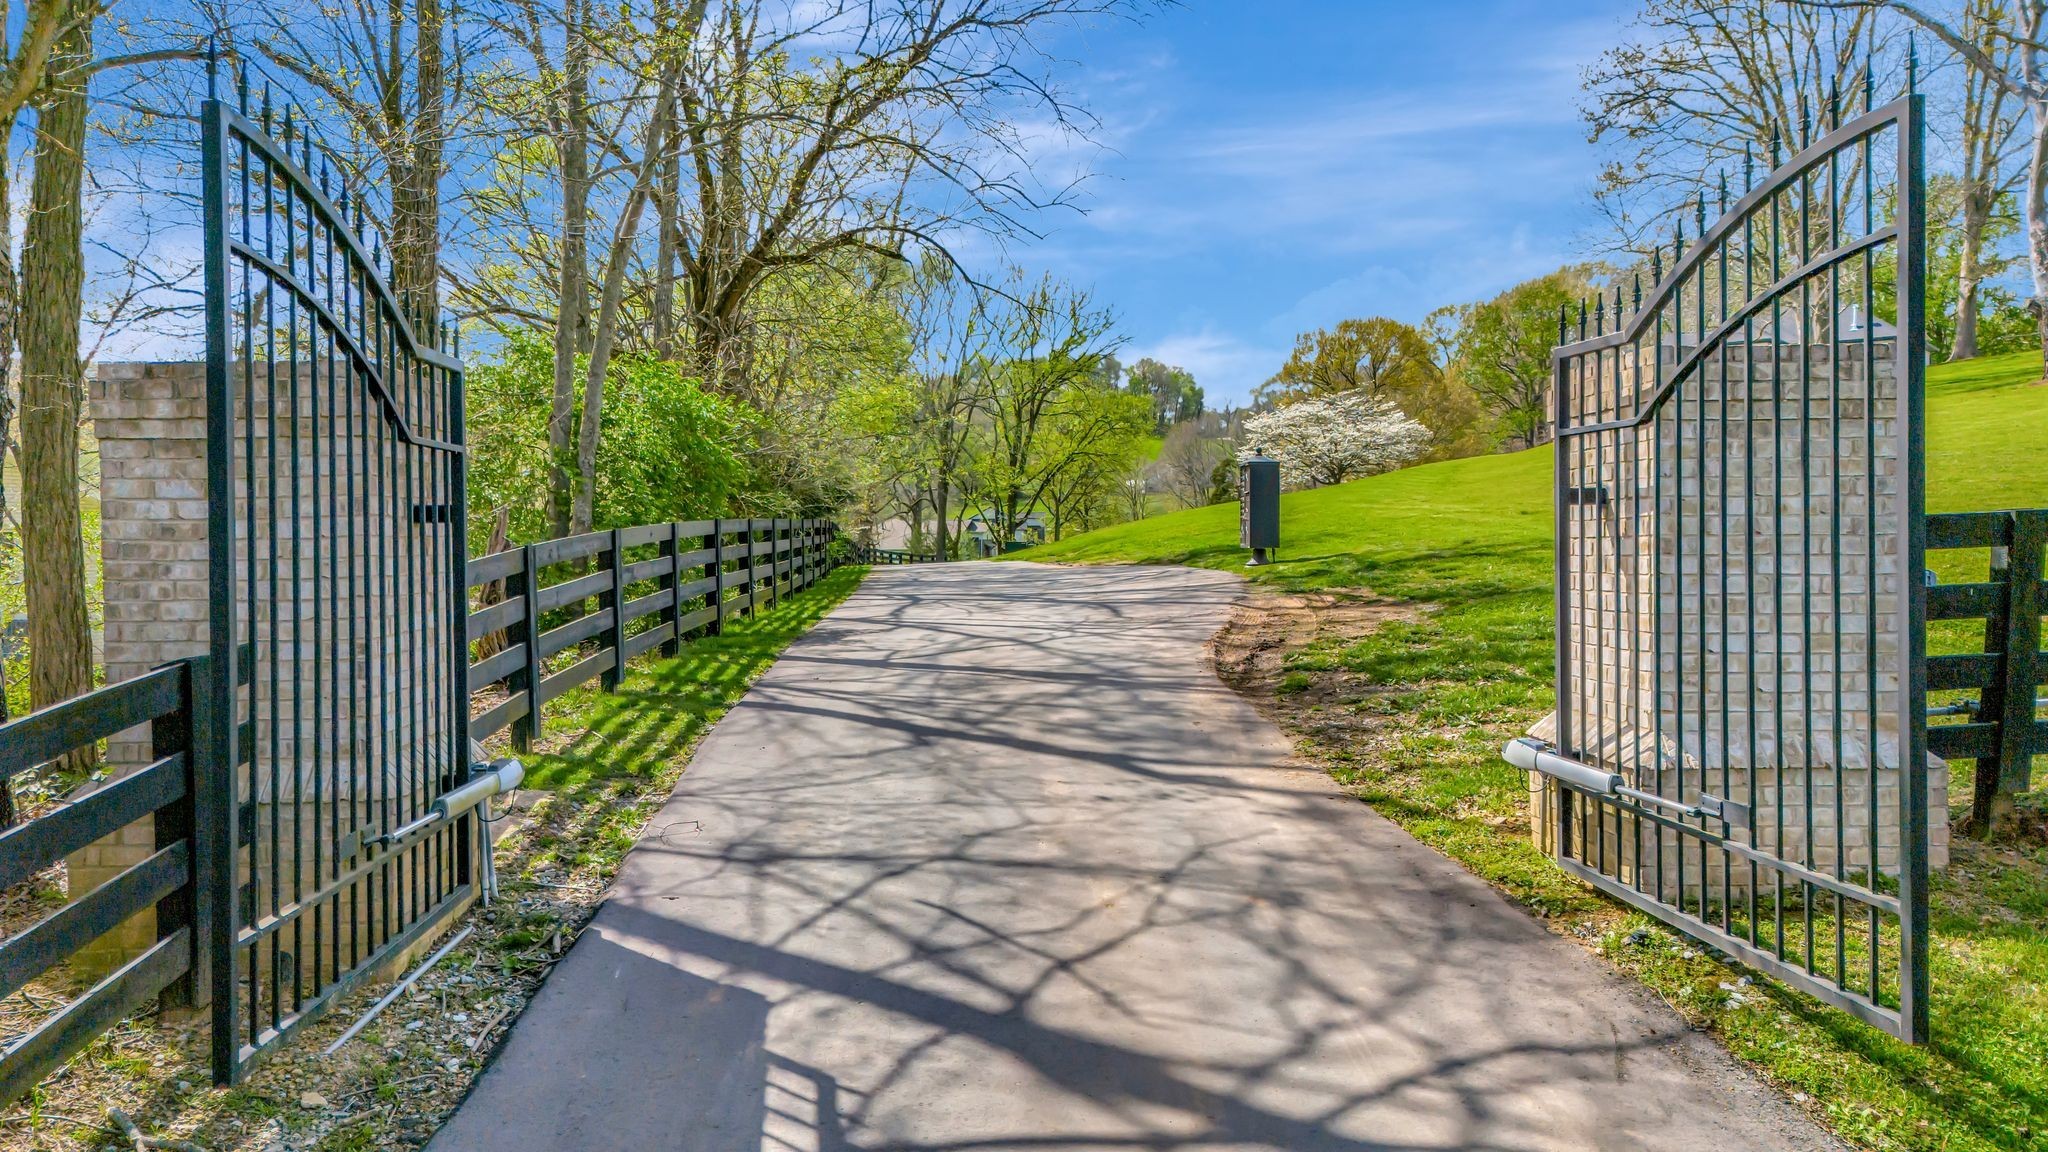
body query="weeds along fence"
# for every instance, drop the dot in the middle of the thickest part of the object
(551, 616)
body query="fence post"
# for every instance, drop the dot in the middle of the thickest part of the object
(616, 601)
(182, 733)
(775, 542)
(753, 535)
(672, 548)
(527, 728)
(717, 577)
(2018, 664)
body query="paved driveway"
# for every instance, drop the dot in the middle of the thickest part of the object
(990, 860)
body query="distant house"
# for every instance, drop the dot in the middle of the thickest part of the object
(1030, 530)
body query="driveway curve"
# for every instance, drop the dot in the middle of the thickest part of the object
(990, 860)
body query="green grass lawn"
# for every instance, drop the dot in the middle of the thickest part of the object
(1472, 538)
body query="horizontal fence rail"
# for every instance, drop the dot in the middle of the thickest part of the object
(550, 616)
(176, 793)
(1997, 724)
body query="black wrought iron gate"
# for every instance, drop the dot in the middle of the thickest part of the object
(1741, 744)
(338, 587)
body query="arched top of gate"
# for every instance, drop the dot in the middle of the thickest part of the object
(270, 135)
(1903, 113)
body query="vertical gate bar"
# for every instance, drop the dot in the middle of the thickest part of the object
(1777, 392)
(1560, 503)
(458, 590)
(214, 818)
(337, 649)
(615, 599)
(1806, 326)
(1870, 665)
(298, 642)
(717, 577)
(390, 888)
(1749, 497)
(1721, 542)
(411, 644)
(527, 728)
(1836, 698)
(672, 583)
(360, 905)
(1910, 372)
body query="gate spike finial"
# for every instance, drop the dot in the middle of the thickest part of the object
(266, 106)
(1869, 85)
(1724, 192)
(1636, 295)
(1600, 315)
(1699, 213)
(1834, 104)
(242, 86)
(1564, 323)
(1748, 167)
(1582, 317)
(1774, 148)
(213, 67)
(1657, 266)
(1912, 64)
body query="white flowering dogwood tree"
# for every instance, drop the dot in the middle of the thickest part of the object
(1336, 438)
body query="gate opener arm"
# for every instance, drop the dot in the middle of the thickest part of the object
(485, 781)
(1532, 755)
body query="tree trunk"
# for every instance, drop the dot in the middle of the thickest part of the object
(60, 636)
(1977, 205)
(605, 333)
(416, 174)
(573, 307)
(2037, 223)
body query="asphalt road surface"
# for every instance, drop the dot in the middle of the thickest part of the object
(990, 861)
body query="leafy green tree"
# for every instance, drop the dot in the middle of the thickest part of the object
(1960, 261)
(1387, 359)
(669, 450)
(1504, 350)
(1174, 394)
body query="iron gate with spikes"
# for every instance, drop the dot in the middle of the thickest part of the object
(338, 587)
(1740, 746)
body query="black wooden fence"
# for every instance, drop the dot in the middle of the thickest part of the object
(610, 596)
(1997, 725)
(888, 556)
(180, 880)
(566, 612)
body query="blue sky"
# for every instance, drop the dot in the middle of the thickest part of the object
(1269, 167)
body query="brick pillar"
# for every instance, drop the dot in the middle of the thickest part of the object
(150, 421)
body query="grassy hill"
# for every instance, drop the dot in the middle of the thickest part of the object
(1472, 539)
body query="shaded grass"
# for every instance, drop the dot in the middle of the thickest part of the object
(1471, 539)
